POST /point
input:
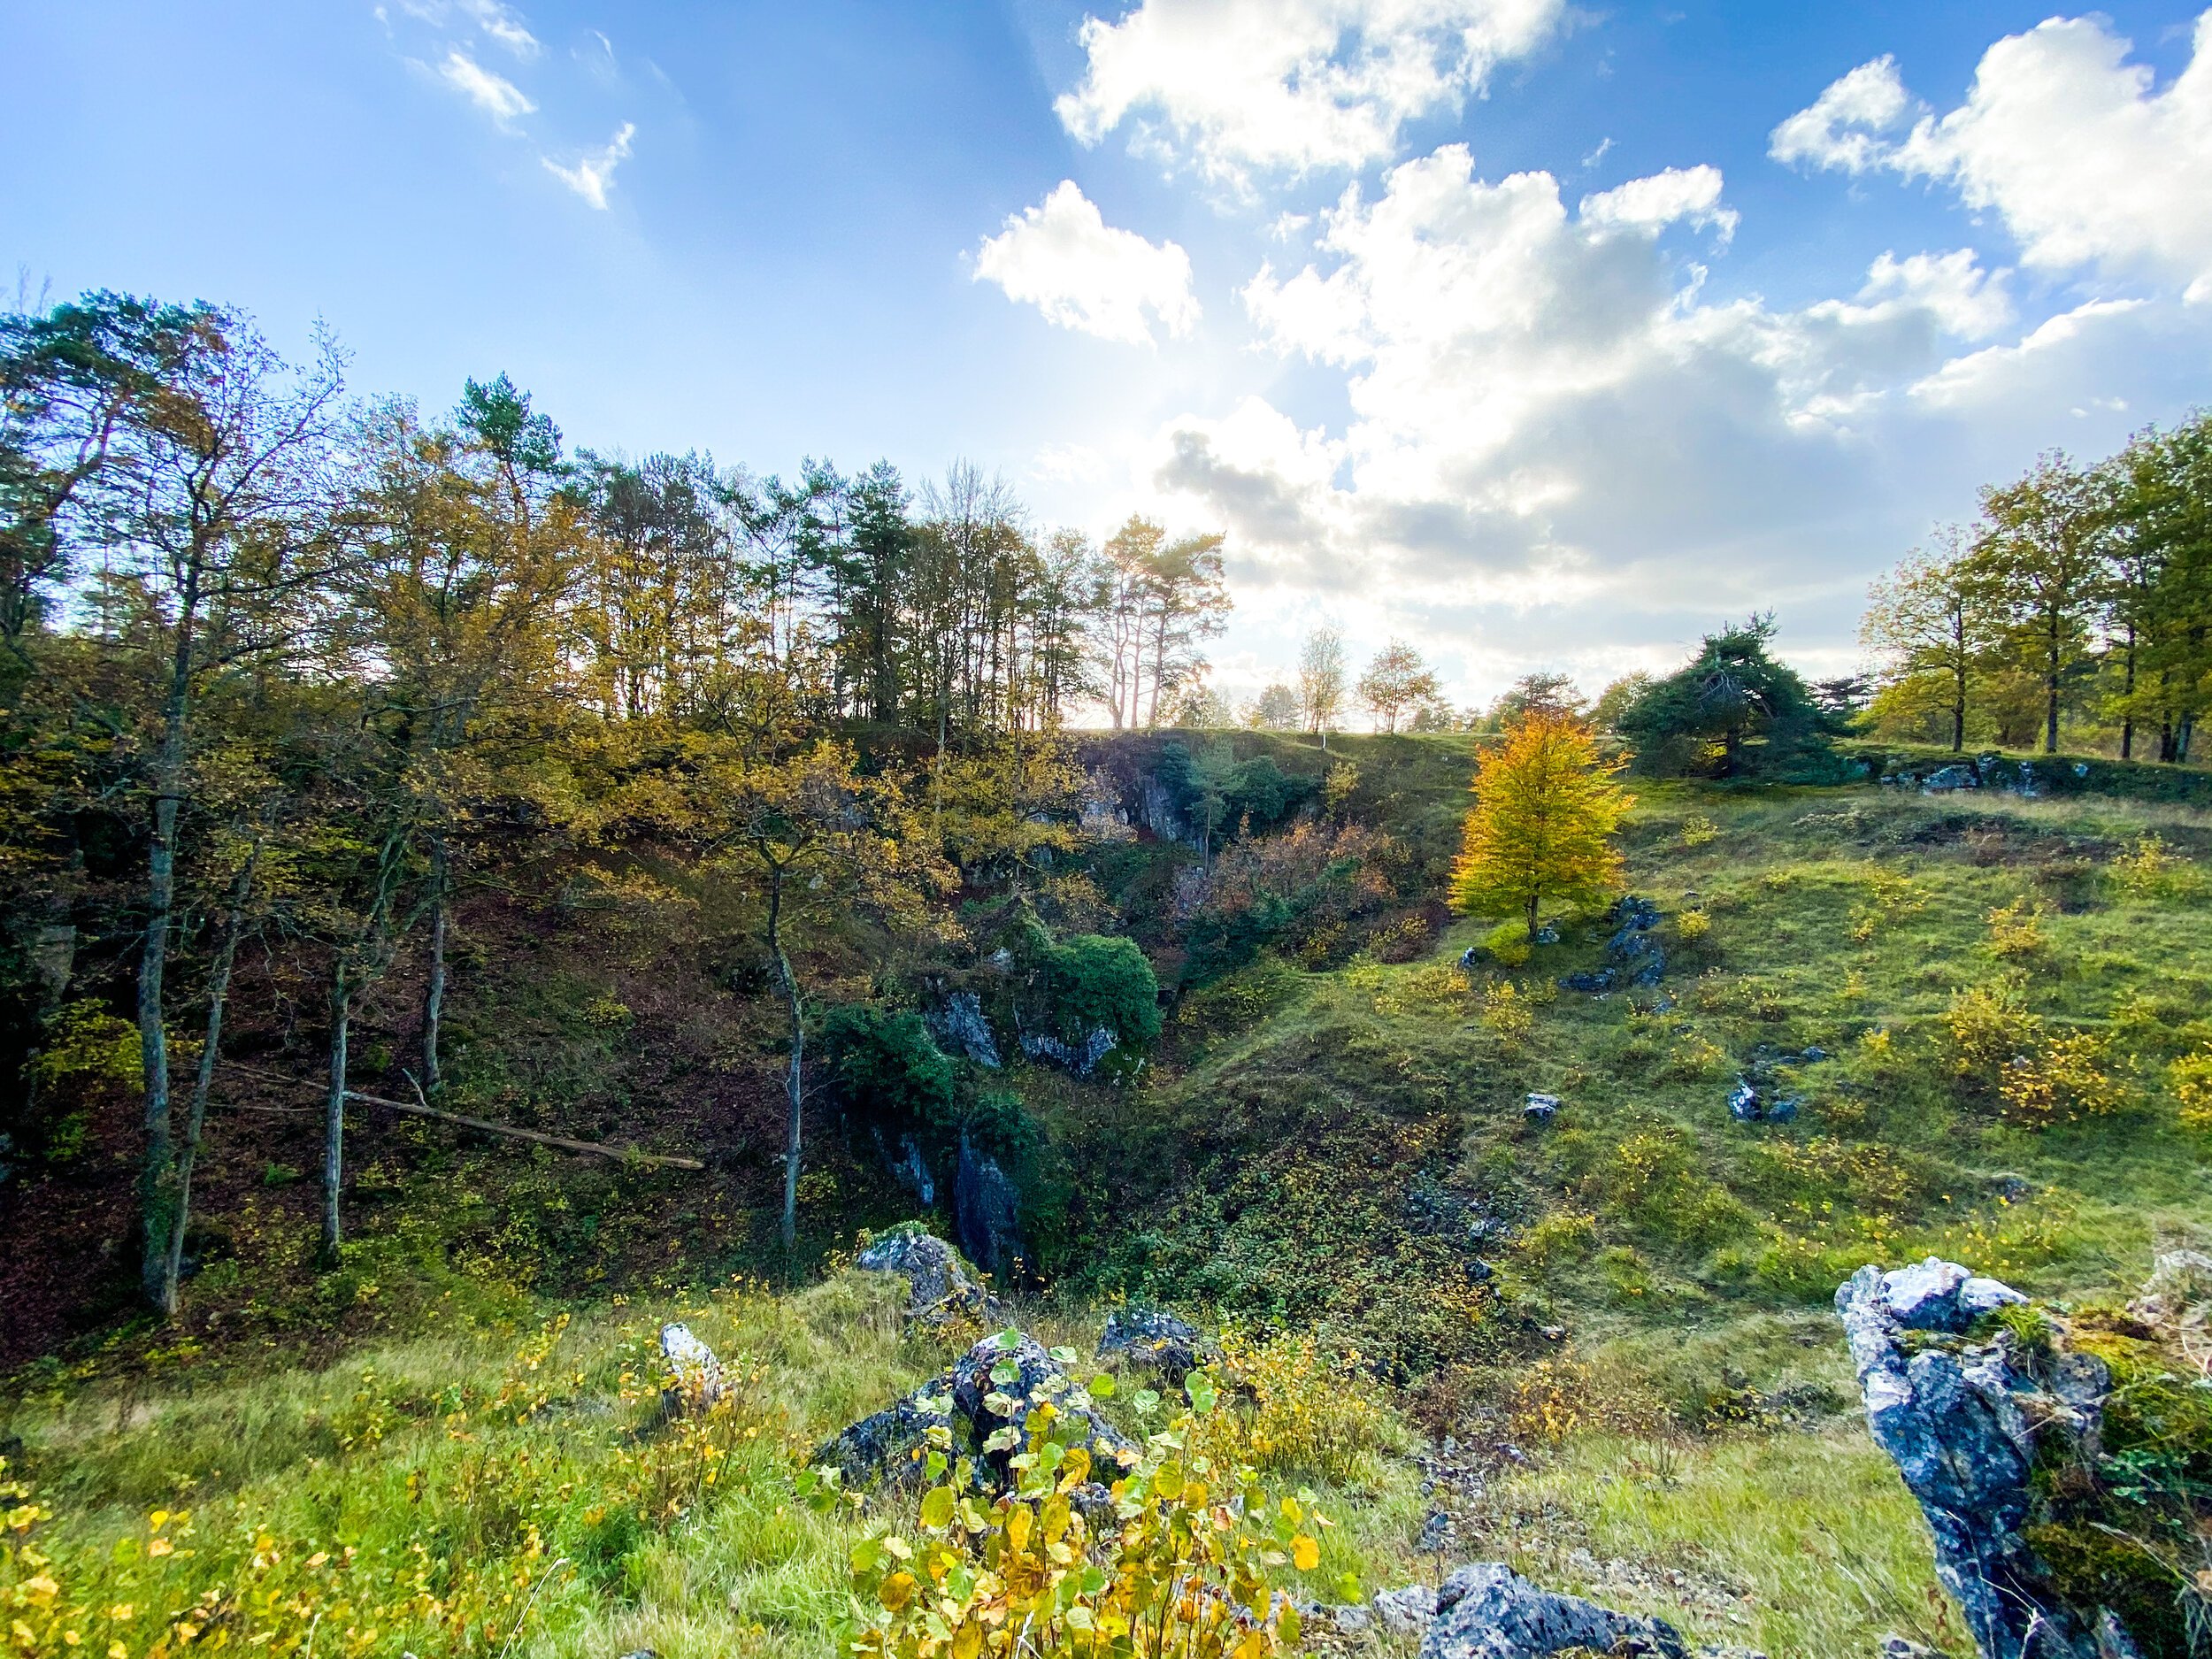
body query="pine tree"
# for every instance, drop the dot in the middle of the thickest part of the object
(1546, 808)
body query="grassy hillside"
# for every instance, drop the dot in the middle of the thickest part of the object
(1618, 1317)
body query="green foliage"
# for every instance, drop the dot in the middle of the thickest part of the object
(890, 1073)
(1189, 1563)
(1732, 711)
(1095, 980)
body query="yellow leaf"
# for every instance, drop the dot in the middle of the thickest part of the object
(1305, 1553)
(896, 1591)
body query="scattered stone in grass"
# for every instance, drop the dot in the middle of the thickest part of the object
(941, 1287)
(694, 1374)
(1540, 1108)
(1489, 1611)
(1743, 1101)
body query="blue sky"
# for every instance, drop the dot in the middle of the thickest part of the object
(1634, 316)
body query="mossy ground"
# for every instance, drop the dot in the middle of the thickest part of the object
(1632, 1294)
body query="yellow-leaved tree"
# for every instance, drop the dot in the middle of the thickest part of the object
(1546, 807)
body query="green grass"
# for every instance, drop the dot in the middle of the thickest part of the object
(1310, 1152)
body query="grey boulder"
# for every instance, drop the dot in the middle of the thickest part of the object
(1489, 1611)
(941, 1285)
(1156, 1341)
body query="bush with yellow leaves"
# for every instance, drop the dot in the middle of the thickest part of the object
(2000, 1050)
(1182, 1559)
(2190, 1078)
(1293, 1410)
(2015, 932)
(1507, 1012)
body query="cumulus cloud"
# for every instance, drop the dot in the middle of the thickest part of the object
(1062, 258)
(593, 176)
(1852, 125)
(1290, 86)
(1543, 407)
(2088, 161)
(494, 94)
(1684, 195)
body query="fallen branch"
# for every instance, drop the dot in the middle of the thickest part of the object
(597, 1148)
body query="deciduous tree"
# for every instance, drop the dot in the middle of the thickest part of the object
(1546, 807)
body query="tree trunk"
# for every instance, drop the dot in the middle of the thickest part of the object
(2127, 720)
(335, 1110)
(1531, 918)
(2050, 691)
(433, 990)
(794, 1094)
(158, 1185)
(195, 1117)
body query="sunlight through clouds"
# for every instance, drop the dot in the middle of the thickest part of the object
(1240, 86)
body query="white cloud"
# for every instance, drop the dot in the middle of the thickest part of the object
(593, 176)
(1543, 407)
(2043, 366)
(1690, 194)
(1063, 258)
(2088, 161)
(496, 95)
(1848, 125)
(505, 25)
(1291, 85)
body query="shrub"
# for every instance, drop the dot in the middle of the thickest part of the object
(2061, 1079)
(2015, 932)
(1692, 925)
(1290, 1411)
(2191, 1079)
(1697, 829)
(1191, 1560)
(2153, 871)
(890, 1073)
(1507, 1012)
(1243, 999)
(1559, 1397)
(1561, 1236)
(1095, 980)
(1987, 1025)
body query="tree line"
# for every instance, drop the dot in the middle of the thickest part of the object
(281, 662)
(2078, 603)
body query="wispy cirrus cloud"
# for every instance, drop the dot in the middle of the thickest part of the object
(490, 92)
(592, 175)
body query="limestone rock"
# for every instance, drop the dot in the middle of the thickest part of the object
(987, 1214)
(941, 1287)
(1956, 1424)
(1081, 1057)
(1003, 1378)
(1405, 1612)
(1489, 1611)
(1156, 1341)
(694, 1374)
(960, 1028)
(890, 1447)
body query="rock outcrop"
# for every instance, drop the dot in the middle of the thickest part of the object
(941, 1287)
(1489, 1611)
(987, 1214)
(960, 1027)
(1961, 1421)
(979, 1409)
(1635, 959)
(1156, 1341)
